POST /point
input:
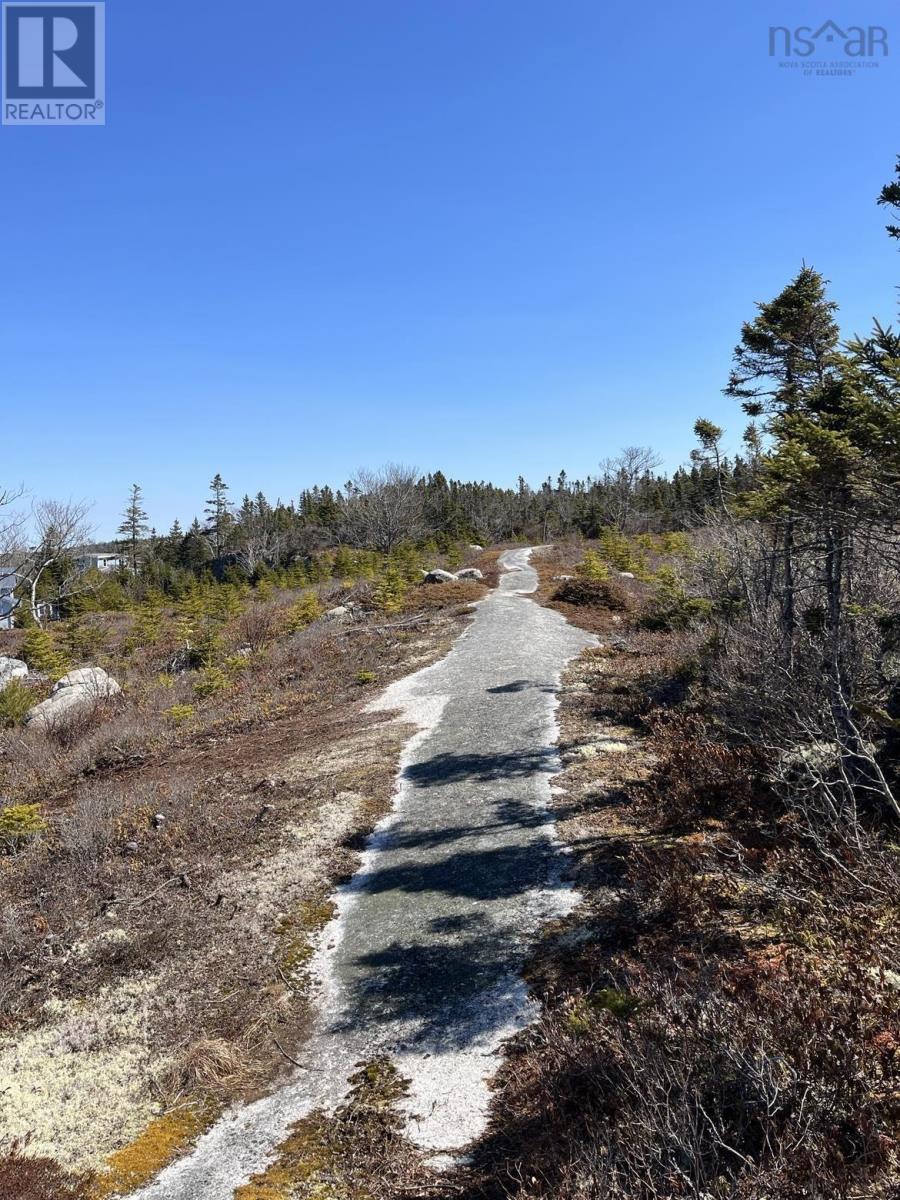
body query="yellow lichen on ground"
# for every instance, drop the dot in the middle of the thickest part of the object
(299, 930)
(146, 1156)
(304, 1158)
(321, 1158)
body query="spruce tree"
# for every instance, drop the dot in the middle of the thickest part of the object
(787, 355)
(890, 197)
(218, 514)
(134, 525)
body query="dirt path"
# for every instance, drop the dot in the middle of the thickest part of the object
(423, 961)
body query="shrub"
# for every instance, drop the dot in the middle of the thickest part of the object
(616, 549)
(23, 1177)
(303, 612)
(178, 714)
(15, 701)
(257, 626)
(390, 590)
(18, 824)
(453, 556)
(42, 654)
(593, 593)
(202, 612)
(148, 621)
(678, 544)
(671, 607)
(364, 677)
(592, 566)
(211, 681)
(83, 639)
(265, 590)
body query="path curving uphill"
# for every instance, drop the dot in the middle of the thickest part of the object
(423, 960)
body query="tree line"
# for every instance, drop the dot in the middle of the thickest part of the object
(380, 510)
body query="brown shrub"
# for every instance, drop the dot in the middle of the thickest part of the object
(26, 1178)
(443, 595)
(593, 593)
(73, 725)
(258, 625)
(689, 1093)
(698, 774)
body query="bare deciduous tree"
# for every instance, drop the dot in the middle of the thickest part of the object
(384, 507)
(621, 475)
(57, 528)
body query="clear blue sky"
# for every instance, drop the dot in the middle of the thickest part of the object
(485, 236)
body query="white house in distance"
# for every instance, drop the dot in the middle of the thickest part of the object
(105, 563)
(7, 597)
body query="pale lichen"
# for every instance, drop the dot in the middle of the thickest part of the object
(81, 1084)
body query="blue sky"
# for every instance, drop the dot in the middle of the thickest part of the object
(485, 236)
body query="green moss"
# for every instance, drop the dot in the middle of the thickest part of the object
(321, 1158)
(377, 1086)
(298, 931)
(302, 1168)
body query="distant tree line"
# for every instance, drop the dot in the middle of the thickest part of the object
(381, 510)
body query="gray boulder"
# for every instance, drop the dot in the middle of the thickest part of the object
(93, 680)
(11, 668)
(438, 576)
(338, 616)
(626, 574)
(475, 549)
(469, 573)
(75, 691)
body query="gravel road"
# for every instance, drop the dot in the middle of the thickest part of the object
(423, 960)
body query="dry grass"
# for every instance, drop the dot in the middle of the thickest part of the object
(428, 596)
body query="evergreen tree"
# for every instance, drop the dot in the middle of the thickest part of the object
(787, 355)
(890, 197)
(134, 525)
(218, 515)
(194, 550)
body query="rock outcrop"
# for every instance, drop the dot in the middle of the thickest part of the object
(339, 615)
(75, 691)
(11, 668)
